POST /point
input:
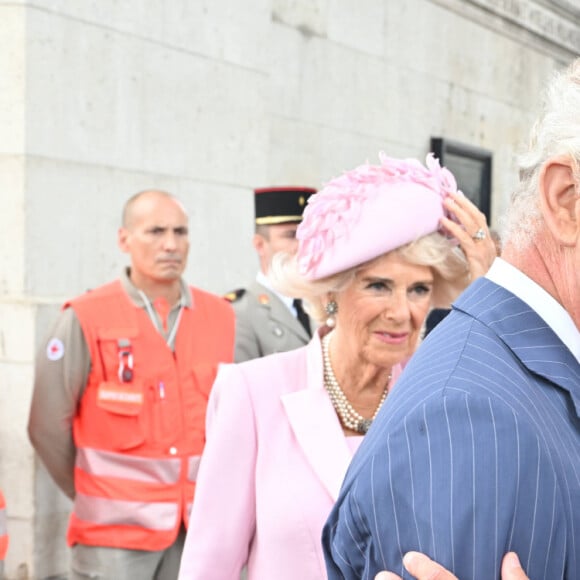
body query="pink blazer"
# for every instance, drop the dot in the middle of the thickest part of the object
(271, 470)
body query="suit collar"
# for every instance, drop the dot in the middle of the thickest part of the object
(526, 334)
(316, 426)
(265, 282)
(546, 306)
(277, 310)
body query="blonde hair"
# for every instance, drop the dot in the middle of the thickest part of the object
(449, 265)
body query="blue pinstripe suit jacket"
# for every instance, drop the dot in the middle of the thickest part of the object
(476, 453)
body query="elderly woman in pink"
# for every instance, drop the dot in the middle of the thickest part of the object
(378, 247)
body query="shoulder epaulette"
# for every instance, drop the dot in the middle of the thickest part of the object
(235, 295)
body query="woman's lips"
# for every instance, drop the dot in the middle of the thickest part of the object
(392, 337)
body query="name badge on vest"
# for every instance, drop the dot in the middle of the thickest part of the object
(121, 399)
(114, 393)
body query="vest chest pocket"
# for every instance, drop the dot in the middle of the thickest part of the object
(120, 395)
(121, 405)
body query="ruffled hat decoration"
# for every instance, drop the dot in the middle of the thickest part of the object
(369, 211)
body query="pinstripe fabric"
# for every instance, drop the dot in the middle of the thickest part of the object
(476, 453)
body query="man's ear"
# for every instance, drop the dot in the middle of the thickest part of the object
(560, 200)
(122, 240)
(259, 242)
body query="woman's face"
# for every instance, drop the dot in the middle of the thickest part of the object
(380, 314)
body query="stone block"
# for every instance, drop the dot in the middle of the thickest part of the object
(15, 450)
(310, 18)
(13, 78)
(345, 150)
(121, 101)
(295, 154)
(464, 52)
(357, 24)
(81, 252)
(17, 327)
(287, 55)
(219, 29)
(12, 225)
(345, 89)
(221, 255)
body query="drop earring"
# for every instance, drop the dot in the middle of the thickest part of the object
(331, 309)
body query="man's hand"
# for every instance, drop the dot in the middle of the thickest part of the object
(423, 568)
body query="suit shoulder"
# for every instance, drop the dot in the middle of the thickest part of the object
(234, 295)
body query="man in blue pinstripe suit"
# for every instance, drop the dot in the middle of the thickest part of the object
(478, 450)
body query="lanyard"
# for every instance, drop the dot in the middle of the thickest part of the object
(155, 319)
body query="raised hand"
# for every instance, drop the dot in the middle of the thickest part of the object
(472, 233)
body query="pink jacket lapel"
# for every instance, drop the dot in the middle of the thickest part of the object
(316, 426)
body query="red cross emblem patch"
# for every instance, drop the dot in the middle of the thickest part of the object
(54, 349)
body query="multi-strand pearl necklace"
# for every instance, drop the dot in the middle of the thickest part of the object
(347, 414)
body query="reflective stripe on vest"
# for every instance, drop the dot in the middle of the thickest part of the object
(159, 516)
(142, 469)
(193, 467)
(3, 534)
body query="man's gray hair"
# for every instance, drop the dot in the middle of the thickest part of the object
(556, 133)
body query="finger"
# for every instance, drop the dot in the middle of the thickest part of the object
(387, 576)
(423, 568)
(463, 203)
(457, 231)
(485, 247)
(511, 569)
(470, 246)
(466, 212)
(458, 205)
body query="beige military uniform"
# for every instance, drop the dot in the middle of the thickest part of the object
(264, 324)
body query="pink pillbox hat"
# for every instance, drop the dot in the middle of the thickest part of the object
(369, 211)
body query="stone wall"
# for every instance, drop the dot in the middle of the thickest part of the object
(208, 99)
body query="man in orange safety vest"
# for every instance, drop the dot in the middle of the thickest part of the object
(120, 394)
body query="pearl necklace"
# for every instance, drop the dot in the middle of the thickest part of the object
(347, 414)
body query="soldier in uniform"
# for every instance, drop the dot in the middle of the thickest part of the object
(266, 321)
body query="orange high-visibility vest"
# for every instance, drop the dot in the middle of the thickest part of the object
(140, 425)
(3, 529)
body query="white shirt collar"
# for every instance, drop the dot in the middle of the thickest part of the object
(262, 279)
(552, 312)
